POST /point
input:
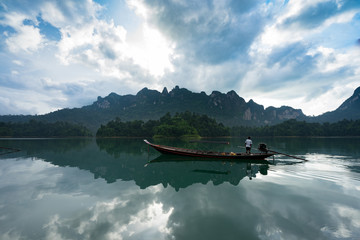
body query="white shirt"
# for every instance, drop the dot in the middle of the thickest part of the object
(248, 142)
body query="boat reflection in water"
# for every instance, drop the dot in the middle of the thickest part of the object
(181, 172)
(182, 167)
(169, 170)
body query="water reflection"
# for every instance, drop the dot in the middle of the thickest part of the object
(129, 160)
(180, 172)
(124, 159)
(131, 198)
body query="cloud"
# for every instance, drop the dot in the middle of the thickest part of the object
(273, 54)
(93, 42)
(25, 38)
(262, 50)
(288, 61)
(208, 31)
(316, 14)
(92, 57)
(295, 54)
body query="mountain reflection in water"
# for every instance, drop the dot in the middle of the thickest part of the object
(126, 160)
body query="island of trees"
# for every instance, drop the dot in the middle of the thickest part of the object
(179, 125)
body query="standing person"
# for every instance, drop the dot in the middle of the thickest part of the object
(248, 144)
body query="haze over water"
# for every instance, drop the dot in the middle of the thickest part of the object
(107, 189)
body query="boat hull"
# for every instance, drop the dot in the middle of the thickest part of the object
(207, 154)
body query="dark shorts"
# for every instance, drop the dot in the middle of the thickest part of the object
(248, 148)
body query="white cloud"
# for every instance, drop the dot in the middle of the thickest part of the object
(52, 14)
(26, 37)
(154, 53)
(298, 65)
(92, 56)
(350, 220)
(17, 62)
(92, 43)
(120, 219)
(104, 46)
(14, 102)
(139, 8)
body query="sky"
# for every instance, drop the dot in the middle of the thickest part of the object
(58, 54)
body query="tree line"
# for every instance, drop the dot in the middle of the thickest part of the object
(35, 128)
(301, 128)
(181, 124)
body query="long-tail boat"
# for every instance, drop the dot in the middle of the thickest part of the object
(211, 154)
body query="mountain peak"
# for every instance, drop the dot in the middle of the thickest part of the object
(350, 109)
(215, 94)
(165, 91)
(357, 91)
(232, 93)
(112, 94)
(351, 103)
(143, 91)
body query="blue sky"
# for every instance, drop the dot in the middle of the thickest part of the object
(64, 53)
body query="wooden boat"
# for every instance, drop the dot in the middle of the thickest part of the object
(208, 154)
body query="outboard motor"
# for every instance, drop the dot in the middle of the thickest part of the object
(262, 147)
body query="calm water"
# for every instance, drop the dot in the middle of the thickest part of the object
(106, 189)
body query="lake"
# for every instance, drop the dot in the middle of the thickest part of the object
(107, 189)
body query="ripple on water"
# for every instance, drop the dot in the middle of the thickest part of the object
(324, 167)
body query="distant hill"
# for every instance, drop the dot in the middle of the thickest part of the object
(350, 109)
(229, 108)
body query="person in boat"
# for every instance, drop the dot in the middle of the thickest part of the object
(248, 145)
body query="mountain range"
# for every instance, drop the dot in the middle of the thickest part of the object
(228, 108)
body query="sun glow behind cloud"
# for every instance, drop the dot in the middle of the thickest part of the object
(153, 52)
(149, 48)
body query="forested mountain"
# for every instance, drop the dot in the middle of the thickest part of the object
(227, 108)
(350, 110)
